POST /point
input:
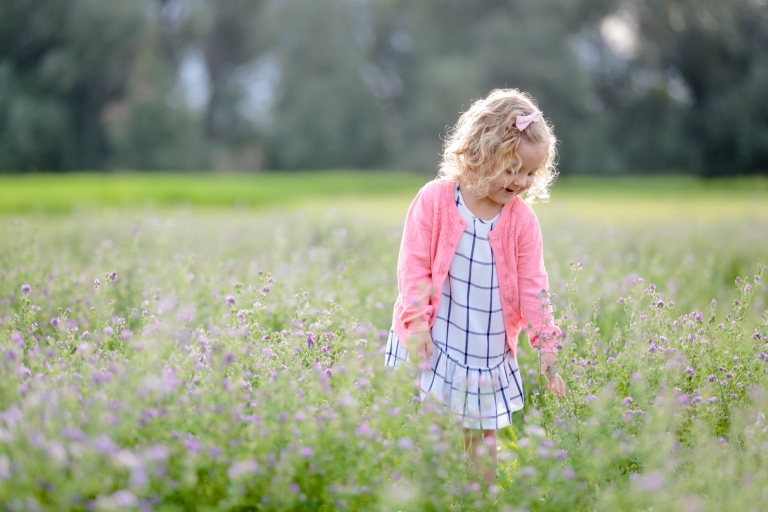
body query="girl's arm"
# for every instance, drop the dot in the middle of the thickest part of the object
(414, 266)
(532, 284)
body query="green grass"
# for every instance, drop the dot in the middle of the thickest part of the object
(67, 192)
(637, 197)
(197, 387)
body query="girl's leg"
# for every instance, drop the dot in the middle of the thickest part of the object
(481, 447)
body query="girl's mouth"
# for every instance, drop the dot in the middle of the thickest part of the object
(509, 191)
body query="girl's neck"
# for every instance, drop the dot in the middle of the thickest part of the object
(483, 208)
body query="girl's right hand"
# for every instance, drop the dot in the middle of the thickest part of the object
(420, 346)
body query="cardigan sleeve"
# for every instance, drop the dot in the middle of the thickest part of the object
(414, 264)
(533, 285)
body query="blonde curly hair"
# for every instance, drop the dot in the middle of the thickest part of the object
(483, 144)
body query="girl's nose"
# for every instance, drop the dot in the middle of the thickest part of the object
(518, 180)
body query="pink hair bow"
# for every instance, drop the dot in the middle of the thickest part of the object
(522, 122)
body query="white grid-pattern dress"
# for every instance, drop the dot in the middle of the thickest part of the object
(471, 371)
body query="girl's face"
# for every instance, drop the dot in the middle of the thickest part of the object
(509, 184)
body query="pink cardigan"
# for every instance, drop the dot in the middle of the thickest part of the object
(432, 230)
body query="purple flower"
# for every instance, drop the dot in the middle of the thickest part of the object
(324, 349)
(104, 444)
(24, 372)
(73, 433)
(729, 374)
(306, 452)
(690, 371)
(756, 336)
(230, 300)
(711, 378)
(712, 399)
(113, 276)
(139, 477)
(55, 321)
(85, 335)
(652, 481)
(699, 317)
(696, 400)
(590, 398)
(627, 400)
(735, 359)
(734, 396)
(18, 339)
(329, 336)
(405, 443)
(310, 340)
(660, 304)
(25, 289)
(123, 499)
(96, 283)
(193, 445)
(248, 466)
(157, 453)
(653, 348)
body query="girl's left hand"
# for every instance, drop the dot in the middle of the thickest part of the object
(554, 381)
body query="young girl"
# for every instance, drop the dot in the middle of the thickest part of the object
(470, 272)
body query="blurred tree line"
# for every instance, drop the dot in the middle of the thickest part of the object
(630, 85)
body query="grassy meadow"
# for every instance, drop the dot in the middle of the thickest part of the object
(173, 342)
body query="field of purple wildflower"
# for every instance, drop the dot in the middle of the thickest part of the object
(227, 360)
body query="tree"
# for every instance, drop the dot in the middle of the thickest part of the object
(61, 62)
